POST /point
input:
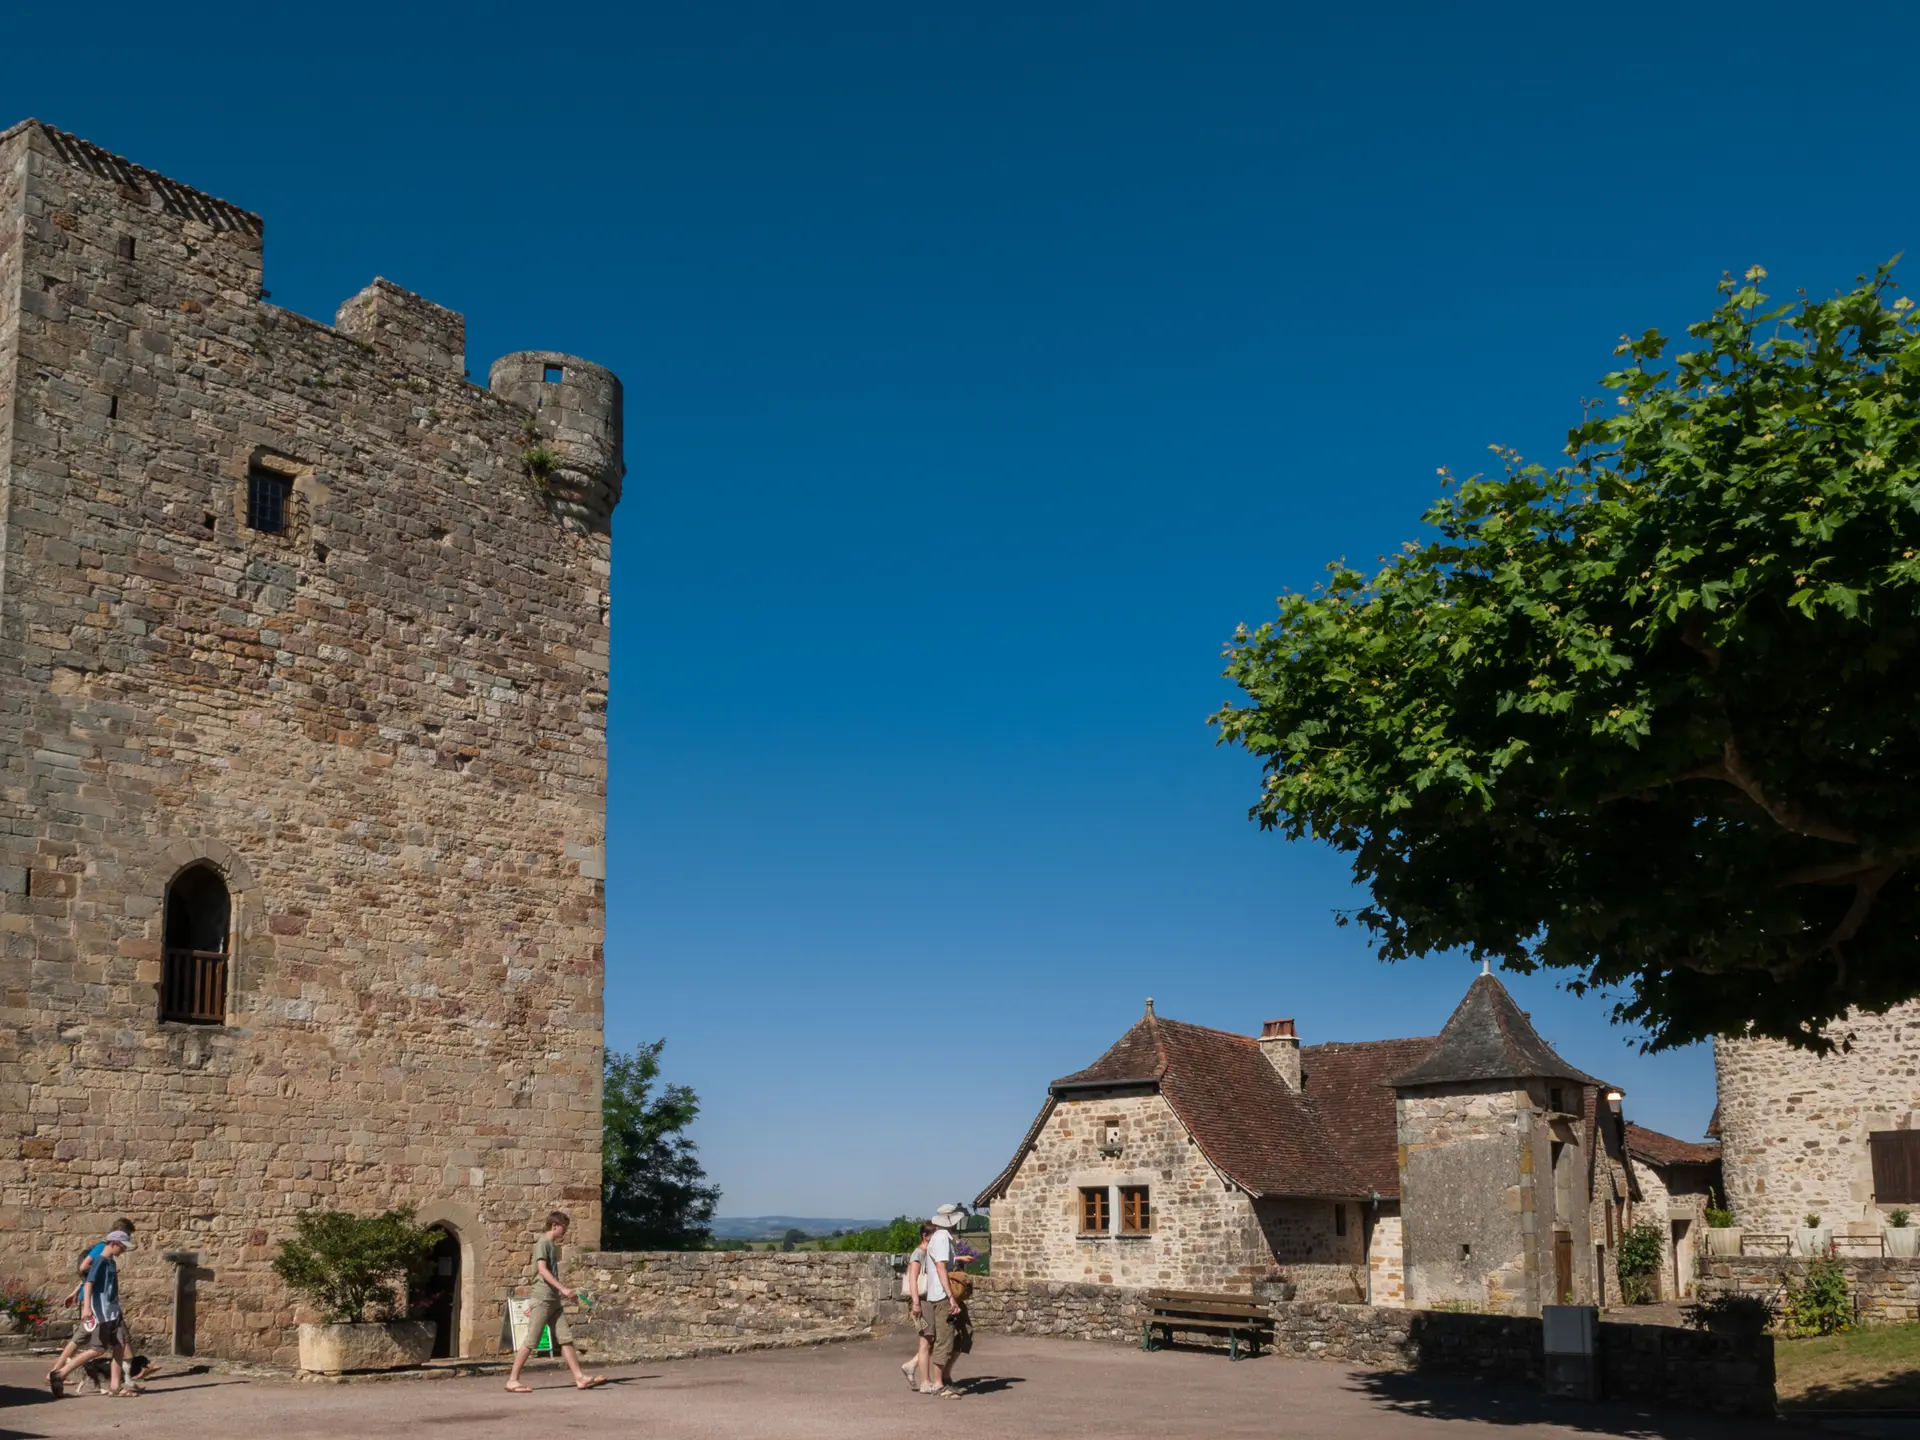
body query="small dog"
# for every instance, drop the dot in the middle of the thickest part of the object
(100, 1371)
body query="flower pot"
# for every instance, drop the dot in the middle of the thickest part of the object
(337, 1349)
(1903, 1242)
(1724, 1242)
(1812, 1243)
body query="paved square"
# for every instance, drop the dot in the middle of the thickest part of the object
(1021, 1388)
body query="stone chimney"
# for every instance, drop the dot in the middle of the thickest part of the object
(1281, 1046)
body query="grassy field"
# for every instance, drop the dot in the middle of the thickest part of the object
(1863, 1369)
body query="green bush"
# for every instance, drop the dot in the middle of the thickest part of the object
(1719, 1217)
(900, 1236)
(1730, 1315)
(1819, 1304)
(1639, 1261)
(348, 1265)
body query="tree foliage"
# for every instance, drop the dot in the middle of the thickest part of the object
(1642, 1249)
(1650, 717)
(351, 1266)
(654, 1195)
(899, 1236)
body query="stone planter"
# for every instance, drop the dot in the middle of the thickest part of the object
(1812, 1243)
(1903, 1242)
(1724, 1242)
(337, 1349)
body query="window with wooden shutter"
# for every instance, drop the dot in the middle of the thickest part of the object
(1136, 1212)
(1093, 1210)
(1896, 1166)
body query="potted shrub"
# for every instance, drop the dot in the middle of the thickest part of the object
(1723, 1236)
(1901, 1235)
(351, 1269)
(1812, 1238)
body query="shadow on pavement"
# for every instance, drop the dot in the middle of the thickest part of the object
(989, 1384)
(1438, 1398)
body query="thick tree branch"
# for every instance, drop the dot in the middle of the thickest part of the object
(1733, 770)
(1864, 894)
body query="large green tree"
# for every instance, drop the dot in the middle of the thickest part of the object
(654, 1195)
(1651, 718)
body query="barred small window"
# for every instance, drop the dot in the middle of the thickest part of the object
(267, 494)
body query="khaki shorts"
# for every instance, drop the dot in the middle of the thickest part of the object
(936, 1323)
(548, 1315)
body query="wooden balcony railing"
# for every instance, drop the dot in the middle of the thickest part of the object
(193, 986)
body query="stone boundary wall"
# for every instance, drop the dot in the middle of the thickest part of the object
(1649, 1364)
(1885, 1291)
(657, 1303)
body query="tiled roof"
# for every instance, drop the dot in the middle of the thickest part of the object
(1489, 1038)
(1346, 1084)
(1338, 1140)
(1657, 1149)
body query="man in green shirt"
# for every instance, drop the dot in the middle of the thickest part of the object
(548, 1309)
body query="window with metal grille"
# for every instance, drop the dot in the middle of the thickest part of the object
(1896, 1166)
(194, 953)
(1093, 1210)
(267, 492)
(1136, 1211)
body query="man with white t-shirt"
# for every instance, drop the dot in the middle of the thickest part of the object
(934, 1308)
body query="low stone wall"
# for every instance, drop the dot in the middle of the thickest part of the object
(1885, 1292)
(675, 1302)
(1647, 1364)
(1065, 1311)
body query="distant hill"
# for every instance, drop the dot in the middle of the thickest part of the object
(774, 1227)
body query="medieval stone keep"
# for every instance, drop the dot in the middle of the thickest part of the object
(1474, 1169)
(303, 686)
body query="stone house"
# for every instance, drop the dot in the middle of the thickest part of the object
(303, 683)
(1676, 1181)
(1475, 1168)
(1835, 1135)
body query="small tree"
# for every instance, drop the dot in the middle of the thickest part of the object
(1820, 1304)
(1639, 1261)
(654, 1194)
(350, 1265)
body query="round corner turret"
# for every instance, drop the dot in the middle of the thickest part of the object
(576, 421)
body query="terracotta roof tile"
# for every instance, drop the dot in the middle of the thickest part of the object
(1657, 1149)
(1346, 1082)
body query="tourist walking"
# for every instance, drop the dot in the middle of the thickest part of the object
(83, 1336)
(935, 1307)
(549, 1308)
(103, 1319)
(916, 1369)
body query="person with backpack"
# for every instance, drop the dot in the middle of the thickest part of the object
(82, 1341)
(936, 1308)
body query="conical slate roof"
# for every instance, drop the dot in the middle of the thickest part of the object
(1489, 1038)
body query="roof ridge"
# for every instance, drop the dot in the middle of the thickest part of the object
(1208, 1029)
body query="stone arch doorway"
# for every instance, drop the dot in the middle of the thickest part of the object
(439, 1296)
(463, 1242)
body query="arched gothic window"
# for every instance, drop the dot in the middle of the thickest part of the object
(193, 965)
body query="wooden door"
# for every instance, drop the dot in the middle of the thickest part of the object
(1562, 1267)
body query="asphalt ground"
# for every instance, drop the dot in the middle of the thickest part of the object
(1018, 1387)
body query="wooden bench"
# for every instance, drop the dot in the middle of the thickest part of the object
(1244, 1323)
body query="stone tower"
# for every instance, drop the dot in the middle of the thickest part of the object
(1799, 1132)
(1494, 1172)
(303, 688)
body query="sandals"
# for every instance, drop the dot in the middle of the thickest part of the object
(516, 1388)
(592, 1382)
(56, 1382)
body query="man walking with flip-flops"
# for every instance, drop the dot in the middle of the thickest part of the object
(549, 1308)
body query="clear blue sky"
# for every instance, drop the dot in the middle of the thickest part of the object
(985, 364)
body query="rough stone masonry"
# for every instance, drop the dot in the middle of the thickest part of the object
(303, 686)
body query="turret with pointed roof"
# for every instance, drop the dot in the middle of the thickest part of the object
(1490, 1038)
